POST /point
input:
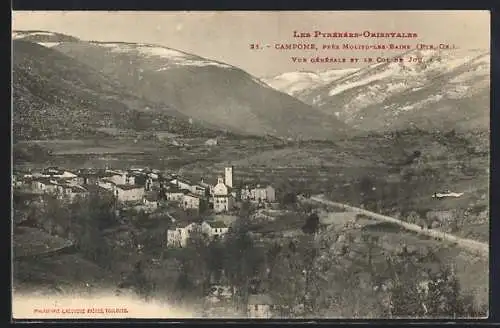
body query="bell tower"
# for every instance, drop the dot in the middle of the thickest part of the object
(229, 176)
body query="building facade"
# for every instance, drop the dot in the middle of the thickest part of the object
(260, 306)
(222, 198)
(129, 193)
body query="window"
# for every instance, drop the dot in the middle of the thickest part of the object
(256, 307)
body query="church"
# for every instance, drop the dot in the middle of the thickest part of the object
(223, 197)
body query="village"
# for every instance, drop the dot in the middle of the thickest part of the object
(150, 190)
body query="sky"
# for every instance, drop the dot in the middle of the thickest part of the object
(226, 36)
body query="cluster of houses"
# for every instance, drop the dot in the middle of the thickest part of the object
(145, 187)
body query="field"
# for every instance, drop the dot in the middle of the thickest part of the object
(31, 241)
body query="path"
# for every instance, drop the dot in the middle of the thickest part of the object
(469, 244)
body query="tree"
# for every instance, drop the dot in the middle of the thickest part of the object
(290, 198)
(312, 224)
(405, 299)
(242, 261)
(445, 297)
(89, 217)
(287, 284)
(367, 193)
(139, 281)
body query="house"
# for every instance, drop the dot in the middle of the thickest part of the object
(217, 229)
(190, 201)
(209, 189)
(151, 200)
(98, 190)
(92, 177)
(181, 183)
(116, 177)
(63, 175)
(178, 235)
(150, 180)
(175, 194)
(44, 185)
(259, 194)
(259, 306)
(106, 184)
(18, 181)
(72, 192)
(129, 193)
(200, 190)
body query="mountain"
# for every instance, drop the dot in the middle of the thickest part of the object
(44, 37)
(55, 96)
(445, 90)
(298, 83)
(207, 91)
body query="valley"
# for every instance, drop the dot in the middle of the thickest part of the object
(153, 126)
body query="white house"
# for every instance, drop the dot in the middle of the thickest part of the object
(66, 176)
(178, 235)
(217, 229)
(117, 177)
(44, 185)
(72, 192)
(151, 201)
(106, 184)
(260, 306)
(259, 194)
(129, 193)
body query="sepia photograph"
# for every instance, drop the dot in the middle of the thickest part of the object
(250, 164)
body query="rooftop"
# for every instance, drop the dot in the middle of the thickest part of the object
(217, 224)
(180, 224)
(151, 197)
(46, 181)
(95, 188)
(129, 187)
(78, 189)
(192, 195)
(175, 190)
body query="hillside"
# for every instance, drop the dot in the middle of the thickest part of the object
(445, 90)
(206, 91)
(56, 96)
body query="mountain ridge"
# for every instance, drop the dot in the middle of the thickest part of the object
(206, 91)
(391, 96)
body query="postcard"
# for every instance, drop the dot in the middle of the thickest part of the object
(254, 165)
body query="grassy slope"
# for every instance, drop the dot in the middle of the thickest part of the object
(57, 96)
